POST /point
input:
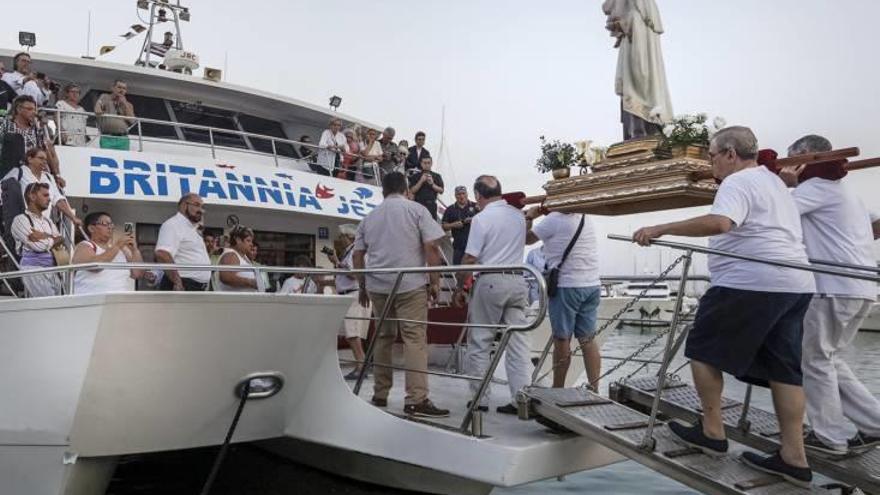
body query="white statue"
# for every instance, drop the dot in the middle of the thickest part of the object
(641, 78)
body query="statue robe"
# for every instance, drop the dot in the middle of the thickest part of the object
(641, 78)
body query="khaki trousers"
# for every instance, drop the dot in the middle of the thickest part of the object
(411, 305)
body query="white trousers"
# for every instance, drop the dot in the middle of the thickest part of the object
(498, 299)
(833, 391)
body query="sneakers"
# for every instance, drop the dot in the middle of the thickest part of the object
(379, 402)
(479, 408)
(863, 441)
(506, 409)
(775, 465)
(353, 375)
(813, 443)
(425, 409)
(694, 436)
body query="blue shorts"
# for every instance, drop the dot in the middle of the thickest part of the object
(573, 311)
(752, 335)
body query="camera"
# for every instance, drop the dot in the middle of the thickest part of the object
(328, 251)
(129, 228)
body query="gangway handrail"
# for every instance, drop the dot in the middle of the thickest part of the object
(784, 264)
(467, 425)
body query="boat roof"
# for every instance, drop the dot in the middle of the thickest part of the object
(146, 81)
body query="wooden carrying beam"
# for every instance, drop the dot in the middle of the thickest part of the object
(810, 158)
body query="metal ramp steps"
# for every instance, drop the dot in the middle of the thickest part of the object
(760, 429)
(622, 429)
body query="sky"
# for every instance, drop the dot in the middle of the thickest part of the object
(507, 72)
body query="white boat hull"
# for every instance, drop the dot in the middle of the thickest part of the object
(106, 375)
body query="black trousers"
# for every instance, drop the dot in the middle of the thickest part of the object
(189, 285)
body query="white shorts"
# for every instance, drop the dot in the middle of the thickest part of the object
(356, 328)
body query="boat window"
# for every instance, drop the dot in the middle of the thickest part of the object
(280, 249)
(193, 113)
(145, 107)
(267, 127)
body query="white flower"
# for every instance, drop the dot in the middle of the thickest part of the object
(668, 129)
(719, 123)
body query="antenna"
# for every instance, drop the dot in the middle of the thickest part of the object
(89, 36)
(159, 14)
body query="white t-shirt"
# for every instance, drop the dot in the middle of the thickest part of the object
(243, 261)
(294, 284)
(180, 238)
(837, 227)
(346, 283)
(767, 225)
(14, 79)
(498, 235)
(581, 268)
(102, 281)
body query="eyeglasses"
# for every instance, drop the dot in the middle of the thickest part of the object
(196, 205)
(718, 153)
(109, 225)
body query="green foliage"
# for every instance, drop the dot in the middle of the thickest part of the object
(556, 154)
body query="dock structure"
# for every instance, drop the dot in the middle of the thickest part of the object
(756, 428)
(622, 429)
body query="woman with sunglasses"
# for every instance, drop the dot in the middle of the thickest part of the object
(101, 247)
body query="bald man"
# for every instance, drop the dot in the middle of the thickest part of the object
(180, 242)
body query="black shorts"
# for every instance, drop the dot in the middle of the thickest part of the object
(752, 335)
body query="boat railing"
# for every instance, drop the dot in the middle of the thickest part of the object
(136, 130)
(471, 424)
(672, 344)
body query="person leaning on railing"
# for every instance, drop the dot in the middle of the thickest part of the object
(750, 322)
(101, 247)
(71, 118)
(331, 144)
(23, 121)
(114, 113)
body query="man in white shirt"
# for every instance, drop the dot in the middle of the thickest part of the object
(180, 242)
(497, 237)
(750, 322)
(354, 327)
(570, 246)
(837, 227)
(400, 233)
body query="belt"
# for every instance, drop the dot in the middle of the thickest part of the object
(347, 292)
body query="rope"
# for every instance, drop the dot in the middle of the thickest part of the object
(617, 315)
(215, 469)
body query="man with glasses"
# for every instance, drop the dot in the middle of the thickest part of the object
(179, 242)
(750, 322)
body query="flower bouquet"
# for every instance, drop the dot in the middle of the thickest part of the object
(558, 157)
(689, 135)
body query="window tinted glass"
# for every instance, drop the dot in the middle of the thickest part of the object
(211, 117)
(268, 128)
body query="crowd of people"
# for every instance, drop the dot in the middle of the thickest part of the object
(767, 325)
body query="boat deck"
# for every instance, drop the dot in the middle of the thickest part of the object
(622, 428)
(454, 394)
(680, 400)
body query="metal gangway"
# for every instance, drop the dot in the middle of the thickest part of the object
(632, 421)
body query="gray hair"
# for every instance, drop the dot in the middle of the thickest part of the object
(389, 131)
(738, 138)
(348, 229)
(811, 143)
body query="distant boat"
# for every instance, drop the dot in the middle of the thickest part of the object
(872, 322)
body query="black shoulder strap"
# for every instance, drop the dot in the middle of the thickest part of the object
(573, 240)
